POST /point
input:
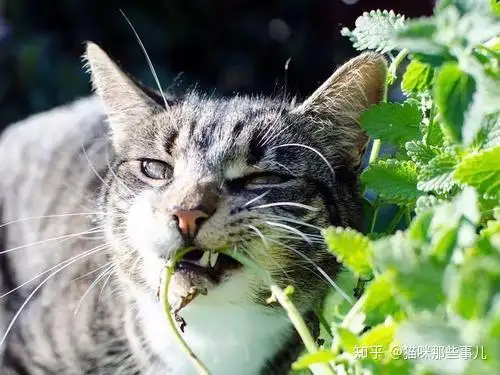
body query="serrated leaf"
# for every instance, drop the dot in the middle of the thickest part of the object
(351, 249)
(322, 356)
(395, 253)
(453, 92)
(374, 30)
(482, 171)
(417, 78)
(425, 202)
(392, 122)
(421, 153)
(393, 180)
(489, 134)
(437, 174)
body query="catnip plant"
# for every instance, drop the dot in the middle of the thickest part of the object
(428, 297)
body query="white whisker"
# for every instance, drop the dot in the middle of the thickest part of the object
(311, 149)
(150, 63)
(256, 198)
(42, 283)
(294, 204)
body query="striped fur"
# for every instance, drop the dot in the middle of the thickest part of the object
(80, 164)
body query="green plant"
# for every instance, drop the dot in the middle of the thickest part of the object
(429, 296)
(431, 302)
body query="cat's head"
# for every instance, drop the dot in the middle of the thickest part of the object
(256, 174)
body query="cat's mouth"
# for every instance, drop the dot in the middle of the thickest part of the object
(209, 264)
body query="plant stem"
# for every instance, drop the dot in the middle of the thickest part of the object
(397, 61)
(292, 312)
(168, 273)
(374, 217)
(374, 151)
(395, 220)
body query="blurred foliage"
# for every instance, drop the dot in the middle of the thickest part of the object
(226, 45)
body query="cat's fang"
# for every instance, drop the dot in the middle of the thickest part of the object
(213, 259)
(205, 259)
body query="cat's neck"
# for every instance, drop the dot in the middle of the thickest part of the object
(228, 338)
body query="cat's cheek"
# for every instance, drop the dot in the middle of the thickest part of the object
(152, 237)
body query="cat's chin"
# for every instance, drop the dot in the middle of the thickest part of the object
(198, 273)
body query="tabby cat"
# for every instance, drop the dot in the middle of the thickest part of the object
(96, 195)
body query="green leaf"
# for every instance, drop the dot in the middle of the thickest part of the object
(489, 134)
(348, 339)
(322, 356)
(417, 78)
(351, 248)
(374, 30)
(418, 36)
(421, 153)
(380, 335)
(393, 180)
(453, 92)
(380, 301)
(418, 232)
(425, 202)
(392, 122)
(482, 171)
(495, 7)
(437, 174)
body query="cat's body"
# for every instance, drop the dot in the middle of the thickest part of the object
(51, 322)
(64, 162)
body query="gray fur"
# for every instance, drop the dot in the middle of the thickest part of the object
(81, 159)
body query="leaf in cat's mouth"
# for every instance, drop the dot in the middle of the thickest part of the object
(210, 264)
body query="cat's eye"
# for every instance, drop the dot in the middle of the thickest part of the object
(154, 169)
(265, 179)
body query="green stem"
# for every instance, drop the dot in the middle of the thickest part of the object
(408, 217)
(375, 151)
(395, 220)
(393, 68)
(167, 308)
(292, 312)
(374, 217)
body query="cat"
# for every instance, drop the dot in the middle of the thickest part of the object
(96, 195)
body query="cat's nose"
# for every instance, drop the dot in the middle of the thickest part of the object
(189, 221)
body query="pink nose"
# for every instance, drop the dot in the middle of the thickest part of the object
(189, 221)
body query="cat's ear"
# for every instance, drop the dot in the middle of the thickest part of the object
(126, 103)
(337, 104)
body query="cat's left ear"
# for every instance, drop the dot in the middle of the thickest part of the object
(126, 103)
(335, 107)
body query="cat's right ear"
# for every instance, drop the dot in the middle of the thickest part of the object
(127, 105)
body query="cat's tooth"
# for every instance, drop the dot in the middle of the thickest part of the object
(213, 259)
(204, 259)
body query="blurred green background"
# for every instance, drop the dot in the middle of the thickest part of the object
(221, 46)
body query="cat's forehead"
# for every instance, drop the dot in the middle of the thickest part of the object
(221, 132)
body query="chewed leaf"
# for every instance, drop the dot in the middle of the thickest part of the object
(375, 30)
(393, 180)
(393, 122)
(351, 248)
(481, 171)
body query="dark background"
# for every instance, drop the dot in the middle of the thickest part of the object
(221, 45)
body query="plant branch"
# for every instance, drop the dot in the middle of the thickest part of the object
(284, 300)
(171, 321)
